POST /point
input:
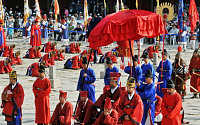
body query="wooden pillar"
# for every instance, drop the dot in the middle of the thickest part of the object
(140, 4)
(110, 6)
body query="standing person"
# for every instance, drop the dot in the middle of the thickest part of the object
(11, 21)
(12, 100)
(66, 12)
(146, 66)
(147, 94)
(194, 69)
(35, 34)
(41, 90)
(26, 30)
(86, 80)
(64, 33)
(3, 38)
(111, 68)
(84, 109)
(138, 70)
(130, 106)
(151, 50)
(179, 67)
(44, 29)
(166, 73)
(62, 114)
(183, 37)
(16, 25)
(171, 106)
(193, 37)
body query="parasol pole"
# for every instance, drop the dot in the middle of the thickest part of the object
(133, 61)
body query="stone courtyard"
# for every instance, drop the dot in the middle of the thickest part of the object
(69, 79)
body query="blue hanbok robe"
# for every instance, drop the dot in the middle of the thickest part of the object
(64, 33)
(87, 83)
(147, 94)
(183, 34)
(144, 71)
(167, 65)
(27, 29)
(138, 72)
(107, 75)
(44, 30)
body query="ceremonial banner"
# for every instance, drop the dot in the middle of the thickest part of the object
(180, 14)
(26, 11)
(193, 14)
(37, 7)
(85, 12)
(57, 11)
(1, 11)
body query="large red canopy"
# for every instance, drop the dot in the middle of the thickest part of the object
(126, 25)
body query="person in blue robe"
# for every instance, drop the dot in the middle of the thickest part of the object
(166, 73)
(44, 29)
(64, 33)
(111, 68)
(147, 93)
(183, 37)
(137, 69)
(27, 30)
(146, 66)
(86, 80)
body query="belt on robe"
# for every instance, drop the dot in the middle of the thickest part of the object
(111, 100)
(36, 32)
(108, 78)
(169, 107)
(39, 89)
(149, 100)
(1, 38)
(129, 106)
(88, 82)
(197, 70)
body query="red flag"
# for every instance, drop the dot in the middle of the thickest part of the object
(57, 10)
(193, 14)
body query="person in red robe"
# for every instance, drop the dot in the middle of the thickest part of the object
(114, 92)
(35, 34)
(84, 109)
(151, 50)
(49, 46)
(171, 106)
(75, 61)
(194, 70)
(99, 52)
(78, 50)
(158, 114)
(86, 53)
(5, 66)
(12, 100)
(130, 106)
(110, 54)
(59, 55)
(80, 62)
(32, 70)
(3, 36)
(63, 112)
(49, 58)
(74, 48)
(41, 90)
(109, 116)
(7, 50)
(33, 52)
(15, 59)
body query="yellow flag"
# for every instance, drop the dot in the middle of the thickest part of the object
(37, 7)
(136, 4)
(1, 11)
(85, 12)
(26, 11)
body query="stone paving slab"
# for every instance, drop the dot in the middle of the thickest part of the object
(69, 79)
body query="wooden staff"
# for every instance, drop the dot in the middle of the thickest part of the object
(187, 83)
(196, 74)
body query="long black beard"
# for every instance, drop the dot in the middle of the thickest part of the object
(112, 87)
(129, 92)
(176, 60)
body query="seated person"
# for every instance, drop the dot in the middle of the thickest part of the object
(78, 29)
(86, 53)
(32, 70)
(48, 58)
(151, 50)
(33, 52)
(110, 54)
(15, 59)
(5, 66)
(74, 48)
(48, 47)
(63, 112)
(158, 114)
(59, 55)
(109, 116)
(99, 52)
(7, 50)
(84, 109)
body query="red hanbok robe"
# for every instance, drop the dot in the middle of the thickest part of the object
(72, 48)
(41, 90)
(112, 57)
(110, 119)
(64, 115)
(33, 53)
(48, 47)
(7, 51)
(5, 68)
(86, 54)
(99, 52)
(59, 56)
(158, 105)
(151, 50)
(195, 80)
(78, 50)
(15, 59)
(115, 98)
(135, 112)
(34, 69)
(35, 35)
(80, 63)
(171, 106)
(49, 61)
(2, 40)
(75, 62)
(18, 92)
(84, 111)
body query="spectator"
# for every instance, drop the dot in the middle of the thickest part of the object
(74, 23)
(187, 22)
(66, 12)
(11, 21)
(10, 11)
(79, 9)
(78, 28)
(97, 8)
(57, 32)
(71, 27)
(174, 30)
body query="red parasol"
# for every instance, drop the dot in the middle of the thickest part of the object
(126, 25)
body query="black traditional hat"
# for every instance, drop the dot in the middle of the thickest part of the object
(135, 58)
(165, 53)
(178, 54)
(148, 74)
(85, 61)
(170, 84)
(145, 55)
(42, 69)
(108, 60)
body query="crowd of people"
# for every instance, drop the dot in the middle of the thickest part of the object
(142, 101)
